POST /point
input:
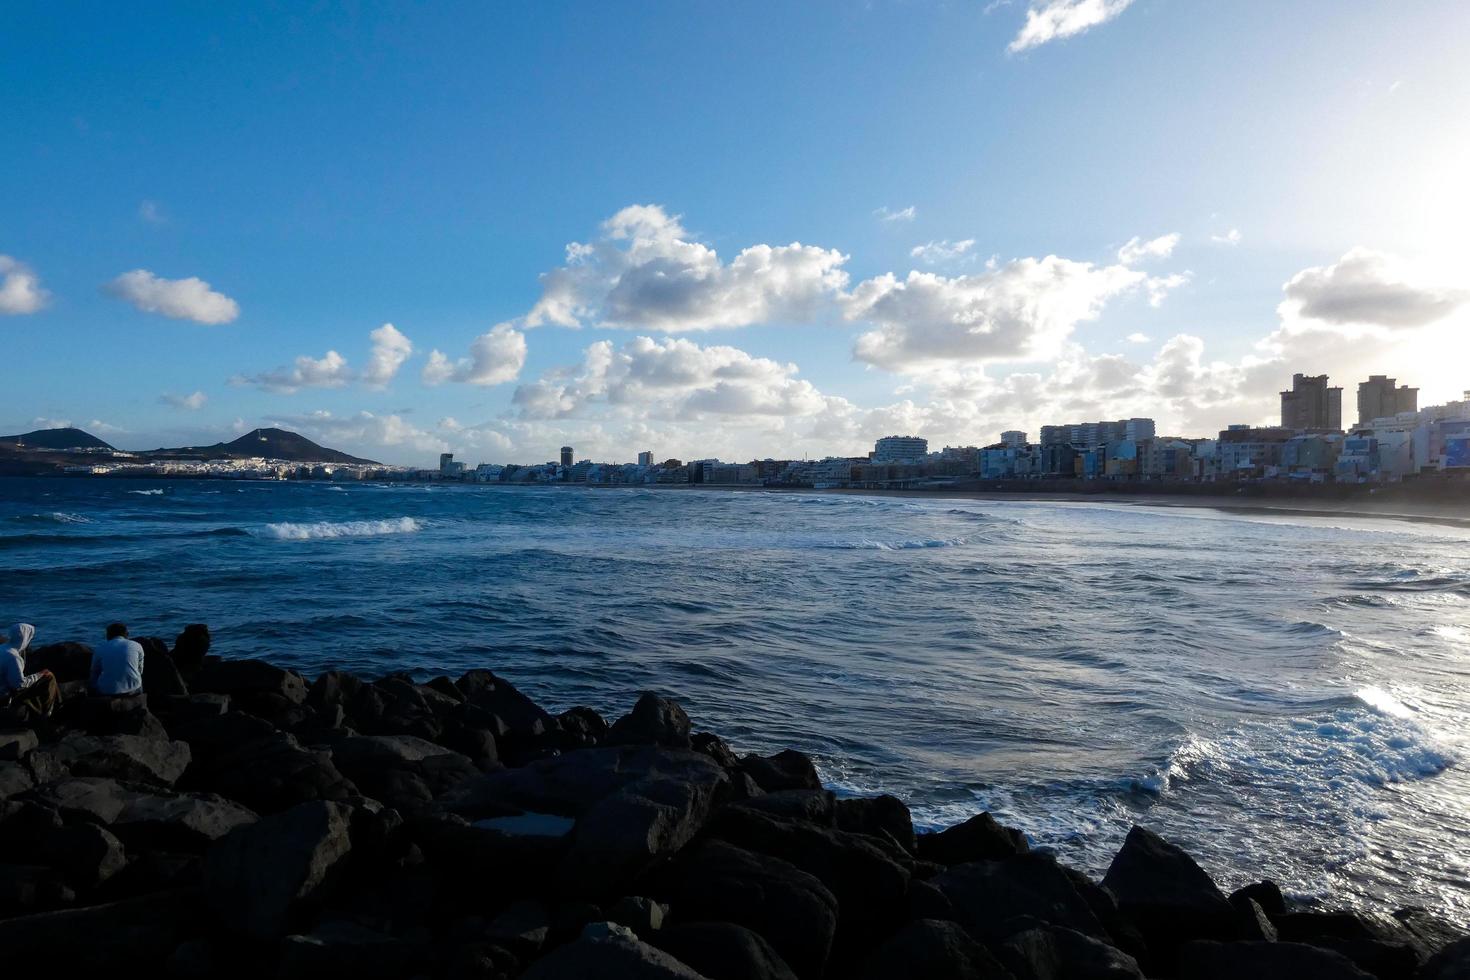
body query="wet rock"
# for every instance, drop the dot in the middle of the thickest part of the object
(980, 838)
(615, 957)
(139, 932)
(878, 816)
(1056, 953)
(927, 949)
(654, 720)
(17, 744)
(1166, 894)
(132, 757)
(1450, 963)
(784, 770)
(582, 727)
(1252, 921)
(987, 894)
(789, 908)
(1266, 894)
(1432, 933)
(522, 718)
(263, 879)
(1384, 960)
(1209, 960)
(246, 679)
(723, 951)
(1125, 935)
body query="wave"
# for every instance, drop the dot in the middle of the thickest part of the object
(54, 517)
(870, 545)
(148, 493)
(324, 530)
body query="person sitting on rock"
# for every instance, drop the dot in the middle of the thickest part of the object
(37, 691)
(117, 665)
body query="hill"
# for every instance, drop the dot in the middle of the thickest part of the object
(269, 443)
(68, 438)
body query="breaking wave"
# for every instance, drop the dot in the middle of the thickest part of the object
(148, 493)
(321, 530)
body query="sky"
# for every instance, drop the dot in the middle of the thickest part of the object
(752, 230)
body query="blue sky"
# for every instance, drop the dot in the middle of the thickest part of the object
(195, 196)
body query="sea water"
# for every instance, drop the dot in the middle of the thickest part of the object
(1284, 696)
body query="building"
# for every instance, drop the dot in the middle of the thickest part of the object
(1311, 404)
(1245, 451)
(900, 449)
(1091, 435)
(645, 458)
(1012, 438)
(1382, 397)
(449, 468)
(566, 455)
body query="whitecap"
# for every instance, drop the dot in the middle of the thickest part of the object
(321, 530)
(148, 493)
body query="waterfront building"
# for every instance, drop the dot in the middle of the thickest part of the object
(1013, 437)
(1091, 435)
(1250, 452)
(448, 468)
(1382, 397)
(1056, 460)
(900, 449)
(645, 458)
(1311, 404)
(1311, 456)
(566, 455)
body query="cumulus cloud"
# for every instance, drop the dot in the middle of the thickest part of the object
(390, 350)
(328, 371)
(189, 403)
(1369, 288)
(20, 288)
(645, 272)
(495, 358)
(938, 253)
(1137, 338)
(1159, 287)
(1052, 20)
(1137, 250)
(364, 433)
(180, 299)
(1021, 310)
(42, 422)
(1231, 237)
(899, 214)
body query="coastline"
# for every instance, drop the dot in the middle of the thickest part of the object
(238, 819)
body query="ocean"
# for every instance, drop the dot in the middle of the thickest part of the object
(1284, 696)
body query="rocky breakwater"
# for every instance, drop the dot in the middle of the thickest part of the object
(240, 820)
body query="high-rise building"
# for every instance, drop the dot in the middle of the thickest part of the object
(566, 455)
(446, 462)
(1311, 404)
(1381, 397)
(900, 449)
(1012, 438)
(645, 458)
(1090, 435)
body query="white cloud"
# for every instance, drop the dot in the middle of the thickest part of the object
(495, 358)
(1231, 237)
(191, 403)
(152, 213)
(181, 299)
(328, 371)
(41, 422)
(1051, 20)
(364, 433)
(1137, 250)
(645, 273)
(1022, 310)
(1370, 289)
(97, 426)
(1137, 338)
(937, 253)
(1159, 287)
(20, 288)
(901, 214)
(390, 349)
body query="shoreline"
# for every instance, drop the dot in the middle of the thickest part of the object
(238, 819)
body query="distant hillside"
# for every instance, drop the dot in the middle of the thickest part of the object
(269, 443)
(56, 439)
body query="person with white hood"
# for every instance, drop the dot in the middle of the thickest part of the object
(37, 691)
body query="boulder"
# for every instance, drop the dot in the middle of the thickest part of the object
(346, 949)
(119, 938)
(1166, 894)
(793, 911)
(816, 806)
(1209, 960)
(15, 779)
(130, 757)
(784, 770)
(928, 949)
(654, 720)
(85, 853)
(1450, 963)
(716, 748)
(723, 951)
(243, 679)
(274, 773)
(128, 715)
(161, 678)
(1432, 933)
(143, 817)
(524, 850)
(522, 928)
(988, 895)
(613, 957)
(1252, 922)
(333, 688)
(190, 648)
(17, 744)
(878, 816)
(581, 727)
(30, 888)
(522, 718)
(212, 735)
(67, 661)
(403, 771)
(265, 878)
(1266, 894)
(643, 915)
(1056, 953)
(980, 838)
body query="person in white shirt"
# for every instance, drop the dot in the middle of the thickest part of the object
(36, 691)
(117, 664)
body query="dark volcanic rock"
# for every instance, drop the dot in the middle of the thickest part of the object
(582, 727)
(1055, 953)
(134, 757)
(789, 908)
(522, 718)
(98, 939)
(927, 949)
(17, 744)
(146, 818)
(986, 895)
(653, 721)
(1266, 894)
(1166, 894)
(161, 678)
(262, 879)
(815, 806)
(1450, 963)
(615, 957)
(242, 679)
(1207, 960)
(403, 771)
(980, 838)
(68, 661)
(784, 770)
(346, 949)
(190, 648)
(15, 779)
(119, 716)
(86, 853)
(723, 951)
(273, 773)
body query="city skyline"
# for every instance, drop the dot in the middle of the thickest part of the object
(502, 232)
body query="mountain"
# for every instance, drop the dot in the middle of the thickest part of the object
(269, 443)
(56, 439)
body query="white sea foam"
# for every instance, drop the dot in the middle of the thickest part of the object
(345, 529)
(1381, 700)
(148, 493)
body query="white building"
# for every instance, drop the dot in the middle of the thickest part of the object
(900, 449)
